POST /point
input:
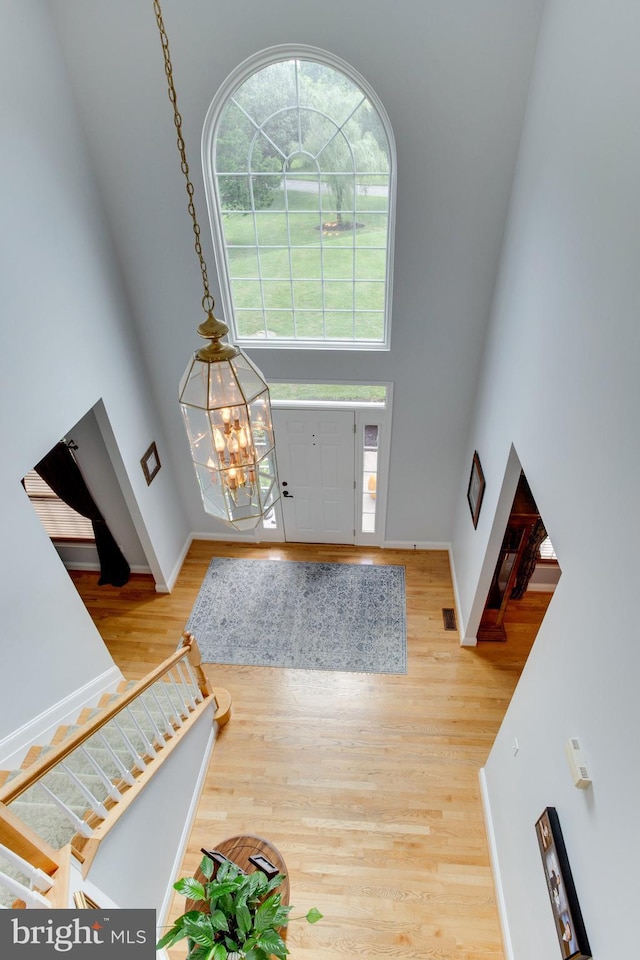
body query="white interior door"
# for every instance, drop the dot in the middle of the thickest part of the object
(316, 468)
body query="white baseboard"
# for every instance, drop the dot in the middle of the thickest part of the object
(86, 565)
(464, 641)
(241, 538)
(171, 582)
(42, 728)
(415, 545)
(184, 837)
(495, 866)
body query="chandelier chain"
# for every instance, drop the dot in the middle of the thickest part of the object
(207, 300)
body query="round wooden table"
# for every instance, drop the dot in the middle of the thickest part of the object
(249, 853)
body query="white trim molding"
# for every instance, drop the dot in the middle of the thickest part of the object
(188, 823)
(42, 728)
(495, 866)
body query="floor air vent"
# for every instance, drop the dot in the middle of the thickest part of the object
(449, 618)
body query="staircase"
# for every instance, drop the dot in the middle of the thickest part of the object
(70, 792)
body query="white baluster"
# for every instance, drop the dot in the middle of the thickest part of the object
(32, 898)
(192, 677)
(167, 720)
(80, 826)
(158, 731)
(41, 880)
(184, 684)
(137, 759)
(112, 790)
(98, 808)
(151, 750)
(124, 773)
(184, 706)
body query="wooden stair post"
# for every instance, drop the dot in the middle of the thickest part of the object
(221, 697)
(25, 842)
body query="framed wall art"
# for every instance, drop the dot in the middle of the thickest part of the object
(567, 916)
(475, 490)
(150, 463)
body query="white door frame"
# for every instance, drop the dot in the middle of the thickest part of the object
(376, 414)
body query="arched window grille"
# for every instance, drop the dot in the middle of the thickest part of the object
(299, 163)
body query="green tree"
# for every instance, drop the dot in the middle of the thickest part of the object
(340, 136)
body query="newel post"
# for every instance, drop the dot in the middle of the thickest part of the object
(222, 697)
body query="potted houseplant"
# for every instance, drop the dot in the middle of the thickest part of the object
(238, 915)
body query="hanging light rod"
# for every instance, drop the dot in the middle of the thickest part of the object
(223, 396)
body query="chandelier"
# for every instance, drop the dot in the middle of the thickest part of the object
(223, 396)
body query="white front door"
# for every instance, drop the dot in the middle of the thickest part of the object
(316, 467)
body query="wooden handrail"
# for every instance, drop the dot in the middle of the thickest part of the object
(24, 841)
(14, 788)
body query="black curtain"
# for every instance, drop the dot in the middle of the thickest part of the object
(60, 470)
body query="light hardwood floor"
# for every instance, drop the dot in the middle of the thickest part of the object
(368, 784)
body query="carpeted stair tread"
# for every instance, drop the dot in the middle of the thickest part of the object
(47, 821)
(7, 899)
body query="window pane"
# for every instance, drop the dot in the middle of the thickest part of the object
(369, 478)
(306, 263)
(250, 323)
(246, 293)
(302, 164)
(339, 325)
(364, 393)
(279, 324)
(243, 262)
(369, 296)
(307, 294)
(370, 326)
(310, 324)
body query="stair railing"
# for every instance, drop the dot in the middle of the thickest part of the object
(45, 869)
(188, 654)
(178, 692)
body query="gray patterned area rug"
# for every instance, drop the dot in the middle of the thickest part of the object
(309, 616)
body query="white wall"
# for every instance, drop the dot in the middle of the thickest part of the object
(99, 475)
(137, 862)
(453, 78)
(66, 343)
(560, 384)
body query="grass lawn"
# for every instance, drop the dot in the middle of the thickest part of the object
(316, 283)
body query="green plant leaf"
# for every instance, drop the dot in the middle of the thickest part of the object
(217, 889)
(276, 881)
(207, 866)
(219, 952)
(281, 918)
(200, 930)
(190, 888)
(272, 943)
(243, 919)
(198, 953)
(218, 920)
(314, 915)
(172, 936)
(266, 913)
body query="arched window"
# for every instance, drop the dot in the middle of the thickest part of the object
(299, 165)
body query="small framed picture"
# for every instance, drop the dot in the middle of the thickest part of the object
(567, 917)
(475, 490)
(150, 463)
